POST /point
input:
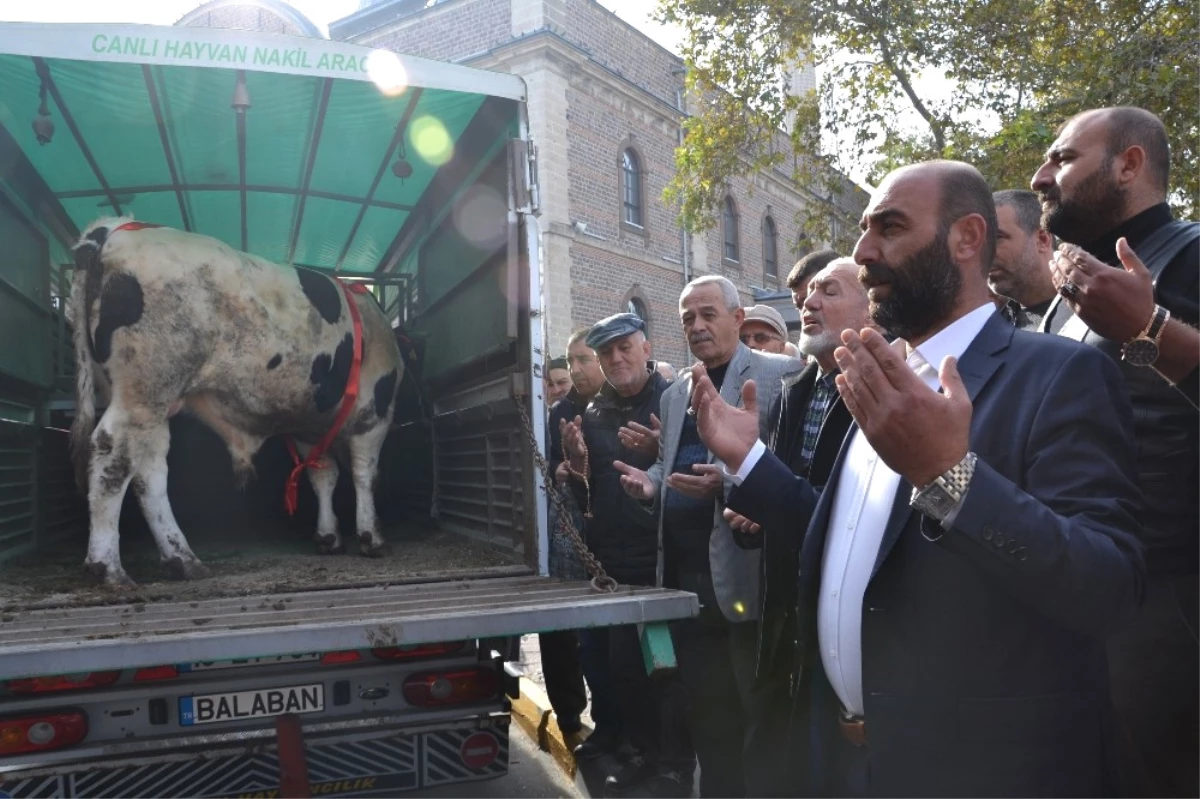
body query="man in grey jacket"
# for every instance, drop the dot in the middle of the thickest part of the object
(731, 720)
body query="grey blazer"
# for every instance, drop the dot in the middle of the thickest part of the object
(735, 571)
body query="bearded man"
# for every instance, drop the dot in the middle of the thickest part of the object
(973, 545)
(1129, 279)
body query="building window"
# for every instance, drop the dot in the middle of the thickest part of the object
(636, 307)
(632, 211)
(770, 248)
(729, 230)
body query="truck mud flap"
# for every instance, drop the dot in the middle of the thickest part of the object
(365, 767)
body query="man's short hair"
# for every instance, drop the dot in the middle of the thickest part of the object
(579, 335)
(729, 292)
(965, 192)
(1127, 126)
(808, 266)
(557, 363)
(1026, 207)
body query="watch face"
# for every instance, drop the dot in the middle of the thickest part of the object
(1141, 352)
(936, 502)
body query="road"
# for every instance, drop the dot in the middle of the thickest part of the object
(531, 773)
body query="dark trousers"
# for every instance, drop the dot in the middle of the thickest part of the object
(738, 727)
(594, 658)
(653, 709)
(563, 674)
(1154, 670)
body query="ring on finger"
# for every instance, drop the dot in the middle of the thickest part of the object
(1068, 290)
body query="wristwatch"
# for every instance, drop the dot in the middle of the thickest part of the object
(1142, 350)
(942, 496)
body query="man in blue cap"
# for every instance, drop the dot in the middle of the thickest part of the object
(623, 536)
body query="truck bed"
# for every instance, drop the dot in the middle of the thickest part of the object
(248, 562)
(57, 641)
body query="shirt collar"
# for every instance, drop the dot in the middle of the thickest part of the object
(954, 338)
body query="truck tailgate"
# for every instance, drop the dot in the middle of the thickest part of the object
(118, 636)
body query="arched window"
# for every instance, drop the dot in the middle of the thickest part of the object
(632, 212)
(770, 248)
(729, 230)
(636, 307)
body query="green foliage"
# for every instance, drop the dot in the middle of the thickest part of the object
(1018, 69)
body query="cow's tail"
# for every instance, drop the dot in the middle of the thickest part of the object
(85, 286)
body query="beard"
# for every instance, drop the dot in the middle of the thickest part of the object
(819, 345)
(1095, 208)
(923, 290)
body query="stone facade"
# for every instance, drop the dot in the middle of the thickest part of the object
(266, 16)
(597, 86)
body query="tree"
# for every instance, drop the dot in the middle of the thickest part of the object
(1010, 72)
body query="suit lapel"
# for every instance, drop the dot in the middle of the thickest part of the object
(739, 364)
(674, 424)
(976, 367)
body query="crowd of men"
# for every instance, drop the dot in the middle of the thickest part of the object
(950, 545)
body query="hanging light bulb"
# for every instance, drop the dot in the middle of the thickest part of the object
(43, 126)
(402, 168)
(241, 96)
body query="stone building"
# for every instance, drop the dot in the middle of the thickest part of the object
(606, 106)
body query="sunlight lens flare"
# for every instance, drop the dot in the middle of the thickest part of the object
(387, 73)
(430, 140)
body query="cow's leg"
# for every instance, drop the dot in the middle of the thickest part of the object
(111, 467)
(150, 483)
(364, 464)
(329, 541)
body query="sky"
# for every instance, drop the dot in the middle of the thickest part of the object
(321, 12)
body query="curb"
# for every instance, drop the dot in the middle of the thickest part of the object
(533, 712)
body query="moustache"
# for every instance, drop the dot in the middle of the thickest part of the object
(699, 337)
(874, 274)
(1051, 195)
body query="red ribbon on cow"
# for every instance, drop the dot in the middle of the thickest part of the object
(292, 490)
(134, 226)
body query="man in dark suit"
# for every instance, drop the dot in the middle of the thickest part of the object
(973, 544)
(806, 433)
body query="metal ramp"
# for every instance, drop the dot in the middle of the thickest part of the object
(131, 635)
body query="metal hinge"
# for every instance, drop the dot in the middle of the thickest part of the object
(523, 168)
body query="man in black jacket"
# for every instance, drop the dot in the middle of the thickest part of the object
(620, 532)
(806, 434)
(1129, 278)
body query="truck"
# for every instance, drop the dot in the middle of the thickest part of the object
(287, 672)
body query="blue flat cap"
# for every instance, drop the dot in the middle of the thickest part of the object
(614, 327)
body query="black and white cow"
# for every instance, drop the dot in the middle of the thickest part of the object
(177, 321)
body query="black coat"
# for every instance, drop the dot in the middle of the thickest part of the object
(781, 545)
(620, 533)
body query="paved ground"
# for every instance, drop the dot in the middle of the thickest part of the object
(531, 662)
(531, 773)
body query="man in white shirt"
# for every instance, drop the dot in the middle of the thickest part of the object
(977, 537)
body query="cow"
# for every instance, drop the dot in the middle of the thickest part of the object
(169, 321)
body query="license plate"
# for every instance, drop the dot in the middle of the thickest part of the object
(238, 705)
(269, 660)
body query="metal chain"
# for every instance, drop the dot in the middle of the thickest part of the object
(600, 579)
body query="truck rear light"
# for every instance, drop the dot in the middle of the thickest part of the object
(152, 673)
(42, 732)
(417, 651)
(337, 658)
(432, 688)
(62, 682)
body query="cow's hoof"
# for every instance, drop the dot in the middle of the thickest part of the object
(372, 547)
(180, 569)
(330, 545)
(112, 578)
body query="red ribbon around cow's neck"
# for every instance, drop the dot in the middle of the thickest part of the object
(349, 397)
